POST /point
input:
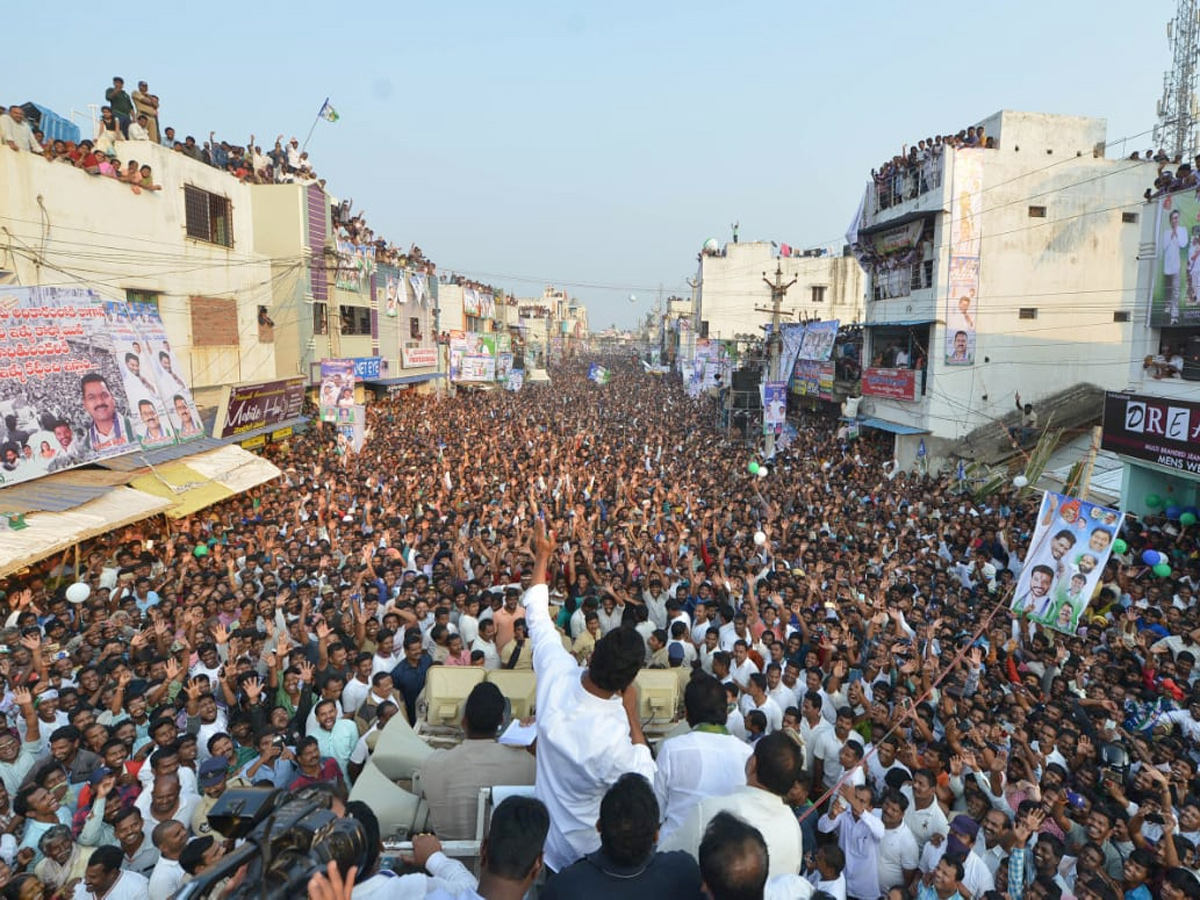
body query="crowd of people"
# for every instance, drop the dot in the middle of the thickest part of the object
(862, 716)
(1168, 180)
(918, 169)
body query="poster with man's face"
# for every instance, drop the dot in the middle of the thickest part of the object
(1175, 291)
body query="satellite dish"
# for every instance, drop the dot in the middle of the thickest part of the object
(712, 245)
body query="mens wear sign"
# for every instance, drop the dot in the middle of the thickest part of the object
(1157, 429)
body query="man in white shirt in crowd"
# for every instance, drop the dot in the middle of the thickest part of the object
(589, 733)
(486, 644)
(756, 698)
(924, 816)
(898, 854)
(771, 771)
(708, 761)
(16, 133)
(859, 832)
(743, 666)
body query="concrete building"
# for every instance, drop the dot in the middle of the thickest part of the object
(190, 248)
(1152, 421)
(731, 287)
(997, 271)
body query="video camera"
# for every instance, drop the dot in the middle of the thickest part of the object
(289, 837)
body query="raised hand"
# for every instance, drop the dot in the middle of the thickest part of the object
(253, 688)
(194, 688)
(23, 697)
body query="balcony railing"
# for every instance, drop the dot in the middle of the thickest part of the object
(907, 183)
(902, 280)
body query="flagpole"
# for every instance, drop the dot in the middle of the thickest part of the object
(304, 146)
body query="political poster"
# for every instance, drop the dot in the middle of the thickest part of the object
(135, 360)
(62, 395)
(1175, 291)
(818, 340)
(393, 293)
(176, 394)
(598, 373)
(516, 380)
(504, 364)
(1067, 554)
(458, 349)
(477, 368)
(355, 265)
(337, 387)
(774, 406)
(351, 428)
(962, 302)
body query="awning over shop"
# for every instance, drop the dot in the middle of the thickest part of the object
(59, 492)
(404, 379)
(195, 482)
(902, 323)
(893, 427)
(48, 533)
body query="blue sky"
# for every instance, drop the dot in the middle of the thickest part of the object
(596, 146)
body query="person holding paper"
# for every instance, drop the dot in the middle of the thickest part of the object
(451, 779)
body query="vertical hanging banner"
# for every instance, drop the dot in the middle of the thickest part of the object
(774, 407)
(1067, 554)
(337, 387)
(182, 416)
(351, 427)
(818, 340)
(962, 300)
(135, 359)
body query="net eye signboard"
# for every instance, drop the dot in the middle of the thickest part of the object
(1160, 430)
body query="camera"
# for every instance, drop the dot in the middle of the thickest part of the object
(289, 837)
(278, 741)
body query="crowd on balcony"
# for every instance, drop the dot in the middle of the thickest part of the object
(899, 272)
(916, 170)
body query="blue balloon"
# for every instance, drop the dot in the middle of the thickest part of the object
(1173, 513)
(1150, 557)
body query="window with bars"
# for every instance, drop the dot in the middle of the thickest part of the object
(355, 319)
(209, 216)
(148, 297)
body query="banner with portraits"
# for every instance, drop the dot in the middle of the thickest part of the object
(774, 406)
(355, 265)
(962, 301)
(337, 387)
(1067, 555)
(161, 408)
(82, 380)
(818, 340)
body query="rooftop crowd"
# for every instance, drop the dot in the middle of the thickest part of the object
(917, 169)
(862, 717)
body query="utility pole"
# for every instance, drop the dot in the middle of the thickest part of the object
(775, 339)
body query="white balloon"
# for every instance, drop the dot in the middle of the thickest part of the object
(760, 538)
(1020, 481)
(762, 472)
(78, 592)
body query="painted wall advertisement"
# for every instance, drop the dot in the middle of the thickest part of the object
(962, 301)
(246, 407)
(1159, 430)
(893, 384)
(81, 380)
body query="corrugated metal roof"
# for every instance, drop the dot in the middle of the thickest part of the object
(132, 462)
(59, 492)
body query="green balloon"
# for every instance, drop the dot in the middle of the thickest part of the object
(753, 467)
(1187, 519)
(1153, 501)
(1162, 570)
(201, 550)
(1119, 546)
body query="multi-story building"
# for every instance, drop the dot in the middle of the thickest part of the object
(731, 293)
(191, 249)
(993, 271)
(1153, 422)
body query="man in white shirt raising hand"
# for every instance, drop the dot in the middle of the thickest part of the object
(588, 728)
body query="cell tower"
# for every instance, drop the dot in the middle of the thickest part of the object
(1178, 109)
